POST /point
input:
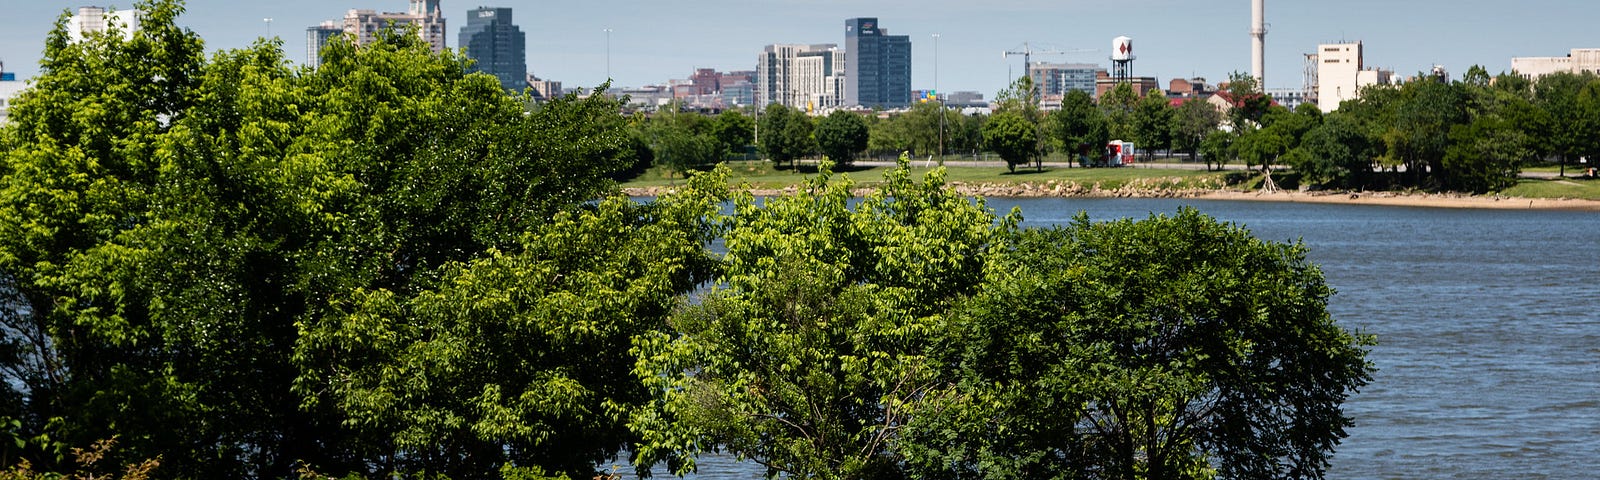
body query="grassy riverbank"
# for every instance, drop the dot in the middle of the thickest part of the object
(763, 175)
(1146, 180)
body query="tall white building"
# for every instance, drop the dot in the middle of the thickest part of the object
(1341, 74)
(425, 14)
(1579, 61)
(99, 19)
(807, 77)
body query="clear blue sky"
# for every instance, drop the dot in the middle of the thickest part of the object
(653, 41)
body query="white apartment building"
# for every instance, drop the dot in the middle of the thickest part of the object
(806, 77)
(1578, 61)
(99, 19)
(1341, 74)
(425, 14)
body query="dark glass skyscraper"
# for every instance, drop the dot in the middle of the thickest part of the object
(877, 65)
(498, 46)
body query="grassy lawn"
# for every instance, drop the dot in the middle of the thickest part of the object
(1587, 189)
(1573, 169)
(760, 174)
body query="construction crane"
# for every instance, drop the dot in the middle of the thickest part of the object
(1027, 51)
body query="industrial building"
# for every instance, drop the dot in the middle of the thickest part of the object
(496, 46)
(1578, 61)
(879, 66)
(1342, 73)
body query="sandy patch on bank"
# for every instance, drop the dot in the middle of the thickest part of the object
(1426, 200)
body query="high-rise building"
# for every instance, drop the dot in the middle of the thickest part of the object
(364, 25)
(317, 37)
(878, 65)
(810, 77)
(99, 19)
(497, 45)
(1054, 79)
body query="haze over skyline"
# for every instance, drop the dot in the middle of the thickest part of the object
(652, 42)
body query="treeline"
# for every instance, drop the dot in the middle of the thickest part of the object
(1471, 135)
(387, 267)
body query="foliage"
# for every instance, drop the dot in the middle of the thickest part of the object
(1118, 106)
(88, 467)
(1079, 127)
(1247, 103)
(1173, 347)
(1218, 148)
(1193, 122)
(1335, 153)
(1013, 136)
(841, 135)
(785, 134)
(733, 131)
(1485, 155)
(1152, 123)
(520, 358)
(807, 355)
(171, 226)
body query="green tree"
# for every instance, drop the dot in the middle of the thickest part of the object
(1337, 153)
(1247, 104)
(1013, 136)
(521, 357)
(1192, 123)
(1219, 148)
(785, 134)
(1152, 123)
(1118, 106)
(841, 135)
(1172, 347)
(173, 229)
(734, 131)
(1079, 126)
(1567, 132)
(808, 355)
(1485, 155)
(1420, 134)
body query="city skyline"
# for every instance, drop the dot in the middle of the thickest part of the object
(652, 43)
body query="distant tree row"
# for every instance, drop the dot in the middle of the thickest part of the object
(1471, 135)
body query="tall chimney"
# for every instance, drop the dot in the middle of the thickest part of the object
(1258, 42)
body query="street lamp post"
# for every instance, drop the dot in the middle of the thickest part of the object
(269, 26)
(608, 54)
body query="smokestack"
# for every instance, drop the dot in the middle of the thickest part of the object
(1258, 42)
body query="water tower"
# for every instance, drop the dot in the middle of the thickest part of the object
(1122, 59)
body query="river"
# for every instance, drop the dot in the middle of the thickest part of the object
(1488, 325)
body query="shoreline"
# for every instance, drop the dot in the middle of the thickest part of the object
(1069, 190)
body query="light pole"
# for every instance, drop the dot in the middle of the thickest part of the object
(269, 26)
(608, 54)
(938, 98)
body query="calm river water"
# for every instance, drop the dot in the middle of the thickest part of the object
(1488, 325)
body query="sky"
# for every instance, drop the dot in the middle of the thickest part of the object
(652, 41)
